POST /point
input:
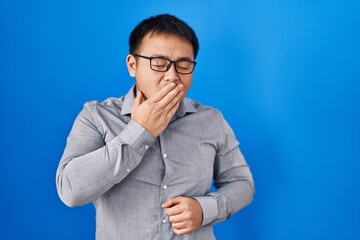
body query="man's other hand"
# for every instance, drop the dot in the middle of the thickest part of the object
(185, 214)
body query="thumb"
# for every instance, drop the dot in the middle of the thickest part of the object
(171, 202)
(138, 99)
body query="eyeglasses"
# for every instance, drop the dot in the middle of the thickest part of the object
(161, 64)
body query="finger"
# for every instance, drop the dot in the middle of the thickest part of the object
(167, 204)
(182, 231)
(179, 218)
(180, 225)
(162, 92)
(174, 210)
(174, 101)
(170, 96)
(172, 112)
(171, 202)
(138, 99)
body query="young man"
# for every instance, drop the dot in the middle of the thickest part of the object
(147, 160)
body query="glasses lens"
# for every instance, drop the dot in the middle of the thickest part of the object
(184, 66)
(159, 64)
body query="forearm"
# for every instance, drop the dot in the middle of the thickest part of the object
(226, 201)
(82, 178)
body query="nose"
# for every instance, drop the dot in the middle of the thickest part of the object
(172, 75)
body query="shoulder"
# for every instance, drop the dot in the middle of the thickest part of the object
(207, 116)
(108, 104)
(205, 110)
(211, 121)
(95, 113)
(95, 109)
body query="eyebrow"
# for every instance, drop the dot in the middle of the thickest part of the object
(179, 59)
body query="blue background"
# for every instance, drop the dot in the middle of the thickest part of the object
(285, 74)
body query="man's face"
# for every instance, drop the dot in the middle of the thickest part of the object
(171, 47)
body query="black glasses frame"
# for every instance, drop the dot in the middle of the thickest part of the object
(169, 65)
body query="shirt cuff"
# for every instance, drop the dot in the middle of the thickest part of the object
(209, 208)
(137, 137)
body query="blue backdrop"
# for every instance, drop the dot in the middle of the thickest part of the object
(285, 74)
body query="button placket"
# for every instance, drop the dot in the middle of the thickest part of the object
(164, 188)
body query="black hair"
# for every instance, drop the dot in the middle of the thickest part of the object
(162, 24)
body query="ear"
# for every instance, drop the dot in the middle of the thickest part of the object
(131, 65)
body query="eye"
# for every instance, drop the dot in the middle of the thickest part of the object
(184, 65)
(159, 63)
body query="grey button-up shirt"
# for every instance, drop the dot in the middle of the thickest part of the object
(118, 165)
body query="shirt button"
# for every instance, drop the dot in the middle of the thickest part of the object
(165, 155)
(164, 220)
(146, 146)
(165, 187)
(128, 170)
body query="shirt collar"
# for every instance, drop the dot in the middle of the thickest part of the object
(185, 105)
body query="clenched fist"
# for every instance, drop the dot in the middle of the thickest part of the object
(185, 214)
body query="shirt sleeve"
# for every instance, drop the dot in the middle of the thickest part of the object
(232, 178)
(90, 167)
